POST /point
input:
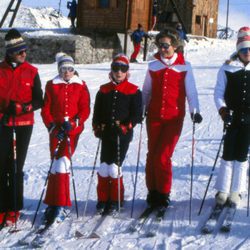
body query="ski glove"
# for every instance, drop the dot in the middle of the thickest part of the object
(226, 116)
(98, 130)
(123, 129)
(196, 118)
(16, 108)
(60, 135)
(51, 127)
(67, 126)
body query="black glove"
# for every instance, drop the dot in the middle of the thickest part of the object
(196, 118)
(66, 126)
(16, 108)
(226, 116)
(98, 130)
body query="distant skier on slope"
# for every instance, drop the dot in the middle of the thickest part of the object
(232, 99)
(169, 81)
(66, 108)
(72, 6)
(117, 109)
(20, 96)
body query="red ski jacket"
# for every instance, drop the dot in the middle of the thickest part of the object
(66, 99)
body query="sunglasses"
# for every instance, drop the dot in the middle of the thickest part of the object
(244, 50)
(65, 69)
(21, 52)
(163, 45)
(115, 67)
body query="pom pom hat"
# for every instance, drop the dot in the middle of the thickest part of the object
(64, 60)
(243, 38)
(14, 42)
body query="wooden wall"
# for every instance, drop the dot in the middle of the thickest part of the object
(121, 15)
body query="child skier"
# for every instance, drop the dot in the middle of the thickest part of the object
(117, 109)
(66, 108)
(232, 99)
(169, 80)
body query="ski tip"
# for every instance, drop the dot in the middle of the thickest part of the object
(94, 235)
(225, 229)
(78, 234)
(150, 235)
(206, 230)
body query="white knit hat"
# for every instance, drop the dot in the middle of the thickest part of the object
(64, 60)
(243, 38)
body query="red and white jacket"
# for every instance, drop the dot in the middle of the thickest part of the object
(18, 84)
(167, 84)
(66, 99)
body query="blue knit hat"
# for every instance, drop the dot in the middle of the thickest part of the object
(14, 42)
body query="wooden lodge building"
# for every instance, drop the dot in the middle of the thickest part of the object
(199, 17)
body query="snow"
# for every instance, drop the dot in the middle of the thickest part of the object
(175, 232)
(206, 56)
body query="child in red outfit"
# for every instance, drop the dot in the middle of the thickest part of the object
(118, 108)
(66, 108)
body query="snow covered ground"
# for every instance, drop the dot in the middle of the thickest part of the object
(175, 231)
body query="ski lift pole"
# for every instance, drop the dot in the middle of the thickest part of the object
(59, 9)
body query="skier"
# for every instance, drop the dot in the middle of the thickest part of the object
(66, 108)
(183, 37)
(72, 6)
(20, 96)
(117, 109)
(169, 80)
(136, 38)
(232, 99)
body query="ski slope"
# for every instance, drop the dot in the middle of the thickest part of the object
(175, 232)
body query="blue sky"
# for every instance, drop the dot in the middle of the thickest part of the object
(239, 10)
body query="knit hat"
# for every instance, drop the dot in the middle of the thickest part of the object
(121, 58)
(243, 38)
(14, 42)
(64, 60)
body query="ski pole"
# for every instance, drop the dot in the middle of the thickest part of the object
(192, 173)
(119, 173)
(91, 178)
(15, 169)
(137, 165)
(72, 174)
(46, 181)
(248, 195)
(212, 172)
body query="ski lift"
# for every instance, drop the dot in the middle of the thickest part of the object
(57, 13)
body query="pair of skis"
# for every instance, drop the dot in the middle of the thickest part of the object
(156, 215)
(216, 213)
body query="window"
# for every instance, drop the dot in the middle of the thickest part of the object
(104, 3)
(198, 19)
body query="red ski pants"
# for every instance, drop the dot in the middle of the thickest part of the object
(162, 139)
(137, 47)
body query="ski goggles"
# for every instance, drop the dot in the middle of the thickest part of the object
(20, 53)
(244, 50)
(115, 67)
(65, 69)
(163, 45)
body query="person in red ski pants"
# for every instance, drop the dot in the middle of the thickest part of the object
(66, 108)
(169, 81)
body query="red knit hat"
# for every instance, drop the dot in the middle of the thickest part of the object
(243, 38)
(121, 58)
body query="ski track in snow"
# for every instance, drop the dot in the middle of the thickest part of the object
(174, 231)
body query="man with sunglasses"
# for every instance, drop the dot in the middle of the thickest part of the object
(232, 99)
(66, 108)
(169, 81)
(20, 96)
(117, 109)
